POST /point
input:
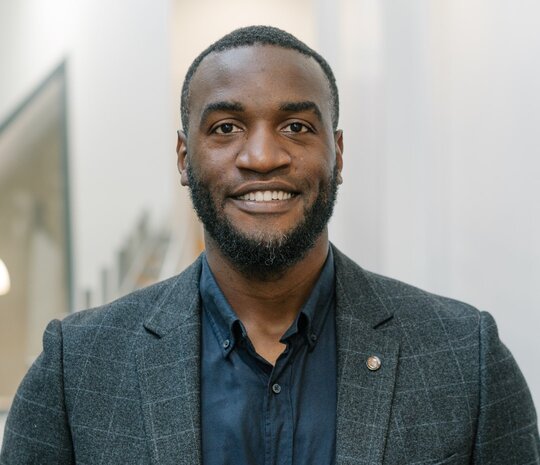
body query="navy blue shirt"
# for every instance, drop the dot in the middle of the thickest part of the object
(254, 413)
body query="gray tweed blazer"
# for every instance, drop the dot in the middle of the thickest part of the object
(120, 384)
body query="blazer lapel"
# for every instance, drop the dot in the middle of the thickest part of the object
(364, 330)
(168, 366)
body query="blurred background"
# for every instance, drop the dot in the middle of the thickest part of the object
(440, 111)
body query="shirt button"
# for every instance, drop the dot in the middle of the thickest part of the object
(226, 343)
(313, 337)
(276, 388)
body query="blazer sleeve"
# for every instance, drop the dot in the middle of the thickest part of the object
(507, 426)
(37, 429)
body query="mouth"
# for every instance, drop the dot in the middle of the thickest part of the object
(263, 199)
(266, 196)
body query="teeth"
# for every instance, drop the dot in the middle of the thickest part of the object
(266, 196)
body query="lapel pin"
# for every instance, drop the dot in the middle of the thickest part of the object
(373, 363)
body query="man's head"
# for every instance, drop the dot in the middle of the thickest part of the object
(261, 154)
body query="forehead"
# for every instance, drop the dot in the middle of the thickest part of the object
(259, 76)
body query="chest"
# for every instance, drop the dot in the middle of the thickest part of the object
(253, 412)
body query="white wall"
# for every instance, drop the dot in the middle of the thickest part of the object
(441, 110)
(121, 128)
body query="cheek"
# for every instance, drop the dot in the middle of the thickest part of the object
(208, 170)
(315, 168)
(212, 161)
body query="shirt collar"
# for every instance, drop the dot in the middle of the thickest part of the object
(220, 314)
(228, 328)
(313, 313)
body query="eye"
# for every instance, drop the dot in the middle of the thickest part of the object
(296, 128)
(226, 128)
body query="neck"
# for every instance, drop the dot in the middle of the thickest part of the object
(267, 307)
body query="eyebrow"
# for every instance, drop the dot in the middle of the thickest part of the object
(291, 107)
(306, 105)
(220, 106)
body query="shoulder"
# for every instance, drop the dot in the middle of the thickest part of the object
(425, 322)
(410, 303)
(140, 303)
(127, 311)
(124, 318)
(400, 299)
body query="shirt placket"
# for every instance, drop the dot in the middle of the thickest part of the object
(279, 423)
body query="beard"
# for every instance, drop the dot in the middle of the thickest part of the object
(263, 255)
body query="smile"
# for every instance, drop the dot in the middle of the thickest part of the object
(266, 196)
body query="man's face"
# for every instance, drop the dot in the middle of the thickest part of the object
(261, 158)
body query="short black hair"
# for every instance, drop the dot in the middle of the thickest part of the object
(259, 35)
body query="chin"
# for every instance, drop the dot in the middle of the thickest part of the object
(266, 236)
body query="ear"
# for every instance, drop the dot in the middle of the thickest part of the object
(182, 161)
(338, 140)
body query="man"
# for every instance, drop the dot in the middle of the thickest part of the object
(273, 347)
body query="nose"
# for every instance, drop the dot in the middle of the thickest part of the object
(262, 151)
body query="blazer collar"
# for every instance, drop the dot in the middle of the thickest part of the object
(355, 289)
(178, 303)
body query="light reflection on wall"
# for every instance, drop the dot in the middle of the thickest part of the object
(5, 281)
